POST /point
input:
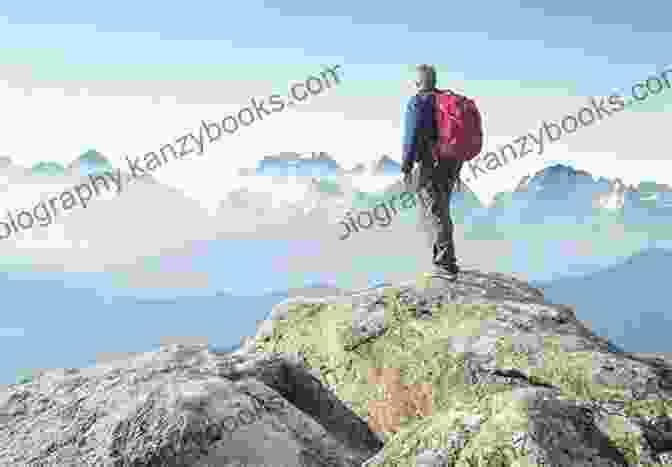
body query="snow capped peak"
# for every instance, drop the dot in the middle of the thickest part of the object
(294, 156)
(314, 164)
(554, 174)
(614, 199)
(90, 162)
(318, 164)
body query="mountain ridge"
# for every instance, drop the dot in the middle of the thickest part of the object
(609, 193)
(634, 289)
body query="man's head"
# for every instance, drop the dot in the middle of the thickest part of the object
(426, 77)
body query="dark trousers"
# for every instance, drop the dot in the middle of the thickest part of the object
(434, 185)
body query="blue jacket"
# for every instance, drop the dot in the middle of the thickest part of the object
(419, 123)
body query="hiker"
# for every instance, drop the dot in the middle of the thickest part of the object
(442, 131)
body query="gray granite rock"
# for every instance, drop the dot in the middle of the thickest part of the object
(181, 406)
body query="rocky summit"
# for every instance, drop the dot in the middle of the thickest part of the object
(478, 372)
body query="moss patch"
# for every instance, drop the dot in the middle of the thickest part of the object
(418, 349)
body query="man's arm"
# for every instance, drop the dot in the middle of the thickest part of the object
(409, 145)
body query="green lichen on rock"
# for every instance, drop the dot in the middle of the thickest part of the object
(323, 333)
(648, 408)
(570, 371)
(418, 348)
(625, 438)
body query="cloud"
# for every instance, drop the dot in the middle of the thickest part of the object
(145, 218)
(72, 117)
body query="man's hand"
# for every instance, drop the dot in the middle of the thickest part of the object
(407, 177)
(407, 173)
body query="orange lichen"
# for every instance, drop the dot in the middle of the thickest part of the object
(398, 400)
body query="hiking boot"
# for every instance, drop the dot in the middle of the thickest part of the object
(449, 270)
(452, 268)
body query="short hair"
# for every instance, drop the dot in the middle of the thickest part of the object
(429, 72)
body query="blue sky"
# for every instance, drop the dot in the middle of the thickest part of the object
(523, 61)
(503, 40)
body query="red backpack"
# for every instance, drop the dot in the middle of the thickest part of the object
(459, 127)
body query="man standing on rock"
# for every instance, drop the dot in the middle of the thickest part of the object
(442, 130)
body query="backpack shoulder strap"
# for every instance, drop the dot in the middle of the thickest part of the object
(463, 101)
(467, 104)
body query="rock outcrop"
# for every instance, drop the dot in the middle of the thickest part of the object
(514, 380)
(479, 372)
(181, 406)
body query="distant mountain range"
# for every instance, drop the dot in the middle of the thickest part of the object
(318, 164)
(634, 292)
(564, 184)
(558, 194)
(89, 163)
(561, 194)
